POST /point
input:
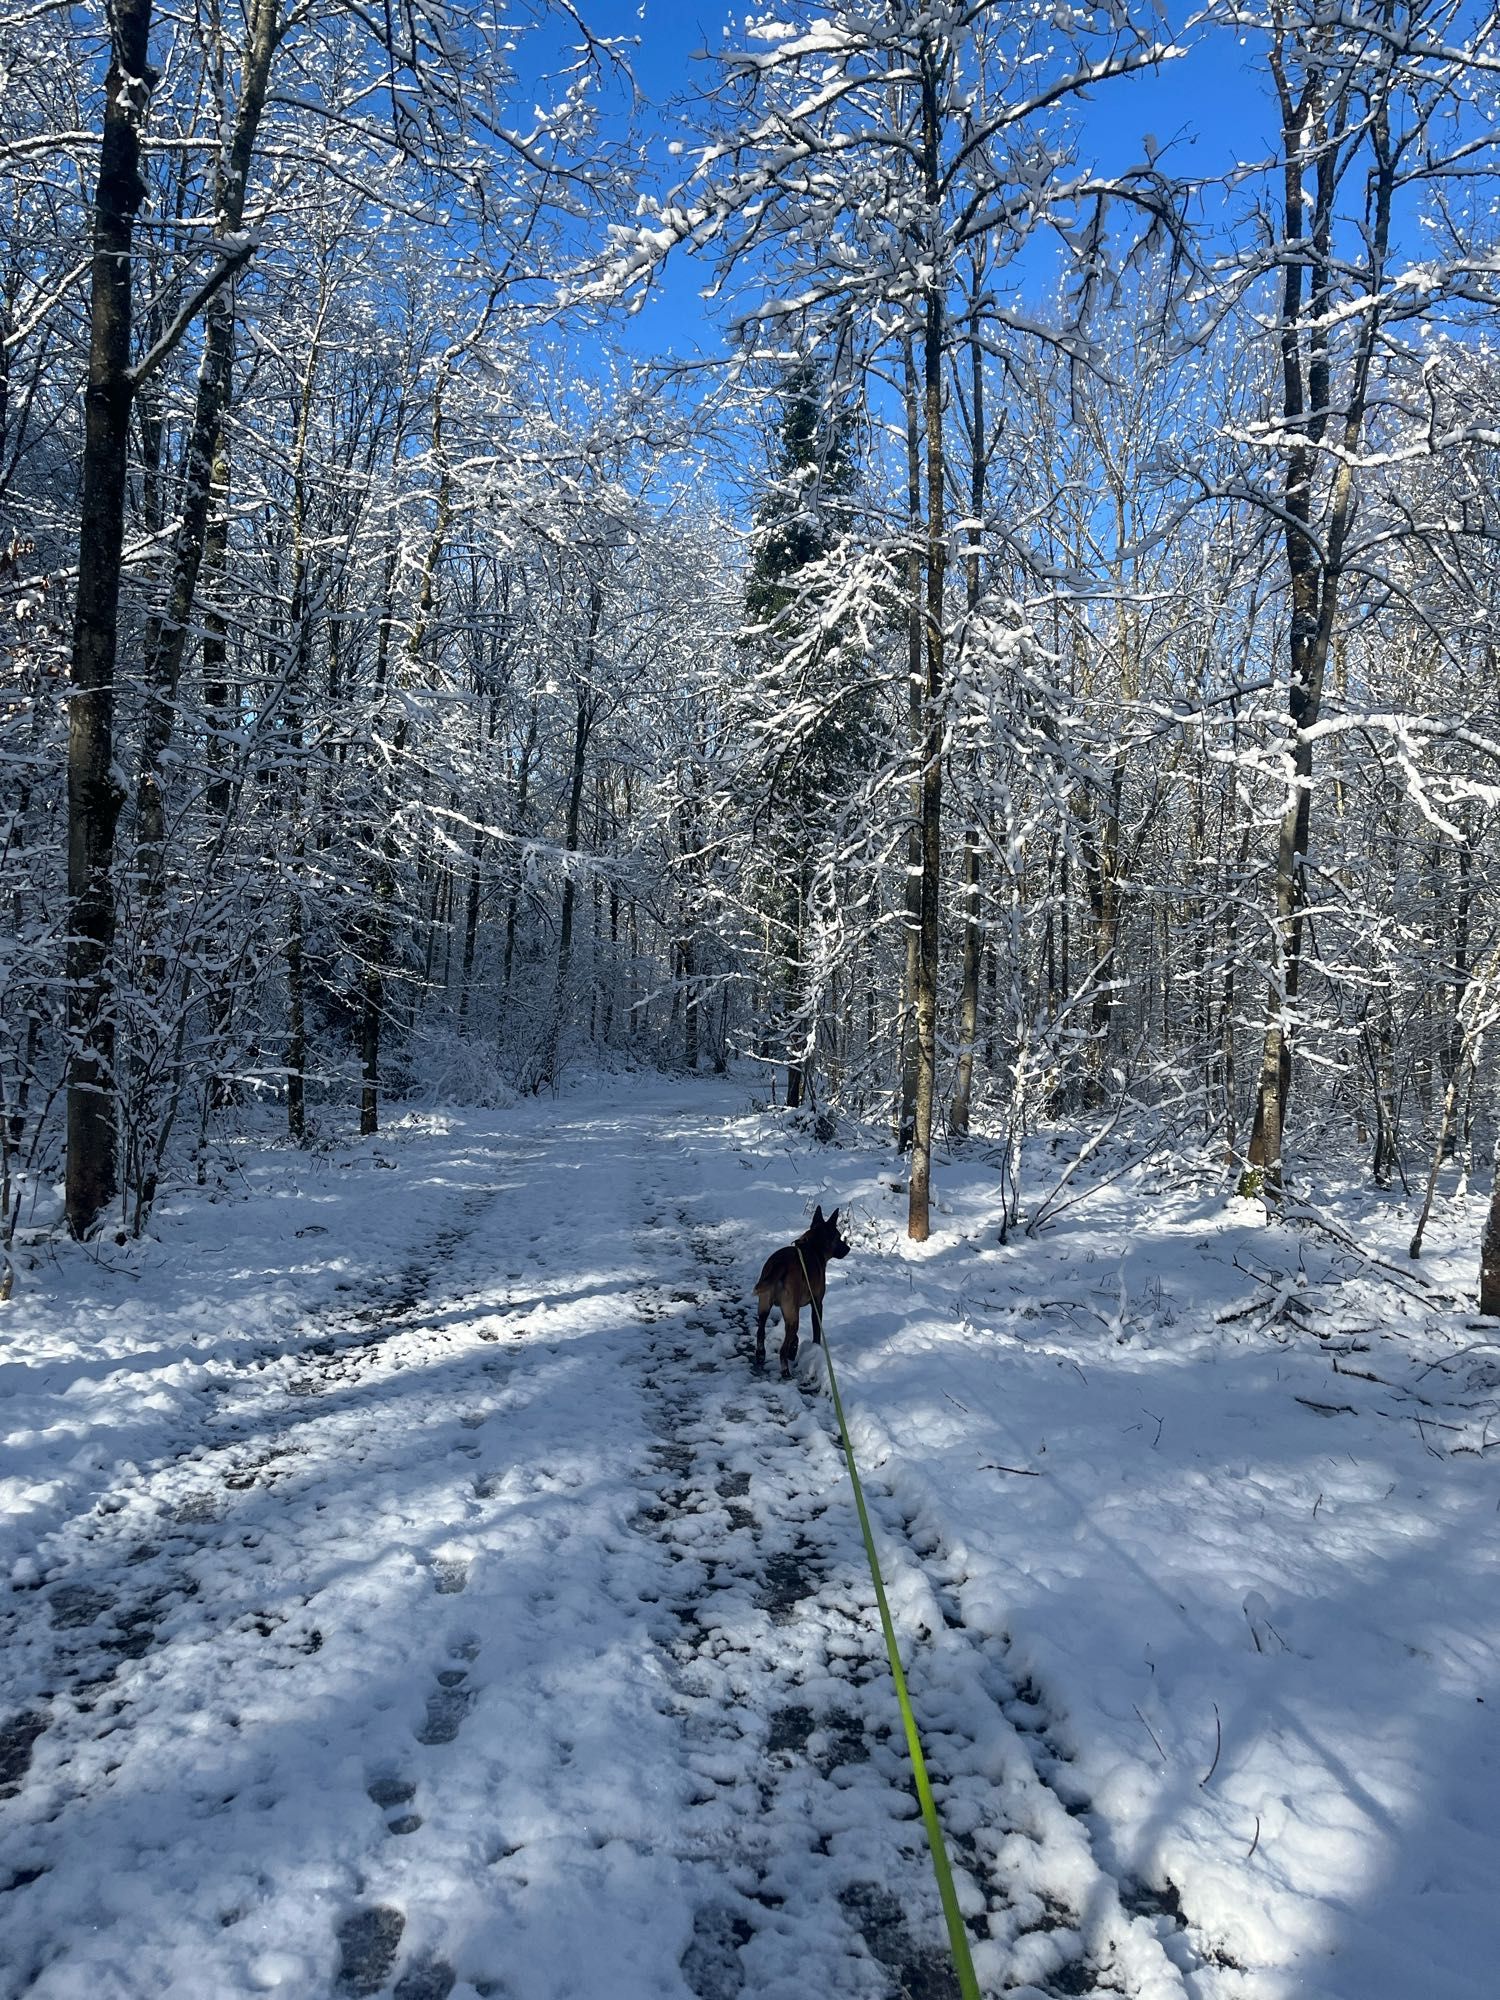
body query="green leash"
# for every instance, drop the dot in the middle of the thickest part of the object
(958, 1937)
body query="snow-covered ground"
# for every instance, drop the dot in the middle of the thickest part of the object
(413, 1591)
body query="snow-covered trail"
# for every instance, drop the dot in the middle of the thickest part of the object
(822, 1878)
(501, 1633)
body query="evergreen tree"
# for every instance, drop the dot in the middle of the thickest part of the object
(806, 739)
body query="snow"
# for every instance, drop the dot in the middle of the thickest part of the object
(413, 1590)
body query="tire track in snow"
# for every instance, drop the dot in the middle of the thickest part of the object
(783, 1691)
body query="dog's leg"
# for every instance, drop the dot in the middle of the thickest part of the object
(789, 1345)
(760, 1336)
(817, 1319)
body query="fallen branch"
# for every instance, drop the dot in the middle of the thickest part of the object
(1428, 1445)
(1218, 1746)
(1444, 1360)
(1362, 1375)
(1151, 1733)
(1402, 1280)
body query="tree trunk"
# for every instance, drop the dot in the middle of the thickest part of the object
(582, 726)
(1489, 1251)
(968, 995)
(383, 887)
(690, 1011)
(220, 717)
(1381, 1043)
(1460, 981)
(299, 674)
(166, 640)
(296, 1033)
(581, 729)
(1314, 552)
(372, 1008)
(523, 781)
(471, 925)
(94, 794)
(968, 999)
(792, 989)
(931, 745)
(912, 898)
(1441, 1150)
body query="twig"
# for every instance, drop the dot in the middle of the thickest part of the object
(1232, 1313)
(1327, 1409)
(1256, 1842)
(1021, 1471)
(1151, 1733)
(1305, 1212)
(1218, 1746)
(1444, 1359)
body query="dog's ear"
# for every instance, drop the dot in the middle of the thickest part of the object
(817, 1215)
(833, 1220)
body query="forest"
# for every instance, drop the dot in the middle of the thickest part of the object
(1041, 663)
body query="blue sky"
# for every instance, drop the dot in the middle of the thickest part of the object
(1211, 108)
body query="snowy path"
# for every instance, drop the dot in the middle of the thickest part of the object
(509, 1637)
(412, 1590)
(806, 1809)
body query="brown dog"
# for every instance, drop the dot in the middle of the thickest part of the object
(784, 1284)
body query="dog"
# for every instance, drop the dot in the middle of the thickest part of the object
(784, 1285)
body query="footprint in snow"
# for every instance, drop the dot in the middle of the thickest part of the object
(447, 1705)
(389, 1792)
(18, 1735)
(711, 1964)
(431, 1980)
(881, 1922)
(368, 1941)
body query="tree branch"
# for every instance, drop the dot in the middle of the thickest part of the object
(236, 256)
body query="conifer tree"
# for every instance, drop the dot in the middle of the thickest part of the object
(806, 740)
